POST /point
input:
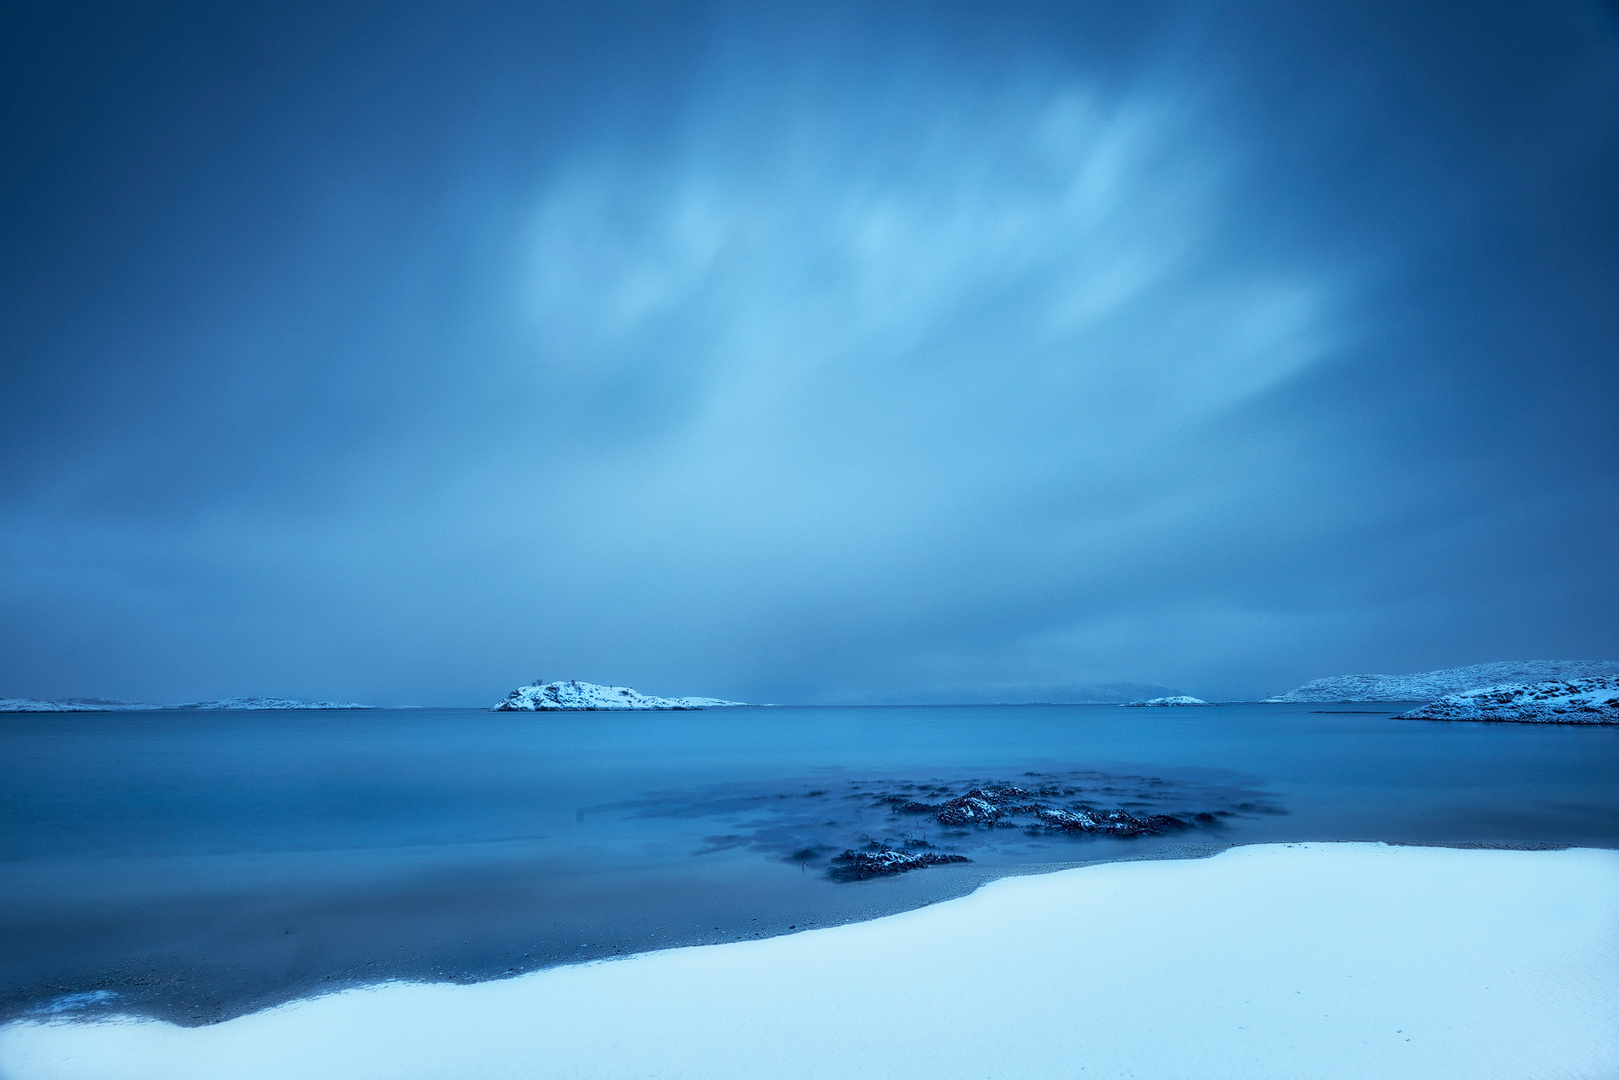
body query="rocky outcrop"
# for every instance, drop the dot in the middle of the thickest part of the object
(1577, 701)
(1427, 685)
(1015, 806)
(879, 859)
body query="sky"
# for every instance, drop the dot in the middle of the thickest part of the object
(834, 353)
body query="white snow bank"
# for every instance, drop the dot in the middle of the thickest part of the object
(1427, 685)
(557, 696)
(1281, 961)
(1582, 701)
(1169, 702)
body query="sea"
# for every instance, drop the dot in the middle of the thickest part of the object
(197, 866)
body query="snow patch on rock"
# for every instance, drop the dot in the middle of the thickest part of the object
(1427, 685)
(1580, 701)
(580, 696)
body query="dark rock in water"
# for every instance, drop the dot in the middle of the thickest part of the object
(1111, 822)
(986, 806)
(969, 810)
(994, 805)
(858, 865)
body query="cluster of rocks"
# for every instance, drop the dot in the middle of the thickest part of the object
(880, 859)
(1003, 805)
(1024, 816)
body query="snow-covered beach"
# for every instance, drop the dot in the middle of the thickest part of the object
(1296, 960)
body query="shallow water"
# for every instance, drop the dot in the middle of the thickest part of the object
(199, 865)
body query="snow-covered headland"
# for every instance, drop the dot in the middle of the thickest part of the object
(582, 696)
(1579, 701)
(1286, 960)
(1166, 702)
(1427, 685)
(108, 705)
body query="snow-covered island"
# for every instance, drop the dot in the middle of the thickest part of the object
(1579, 701)
(1165, 702)
(582, 696)
(1427, 685)
(108, 705)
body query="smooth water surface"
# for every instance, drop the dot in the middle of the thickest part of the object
(198, 865)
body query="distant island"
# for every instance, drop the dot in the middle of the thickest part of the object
(1580, 701)
(1428, 685)
(267, 703)
(575, 696)
(1177, 700)
(111, 705)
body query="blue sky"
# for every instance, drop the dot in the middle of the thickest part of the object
(872, 352)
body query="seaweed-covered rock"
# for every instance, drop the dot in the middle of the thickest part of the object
(986, 806)
(854, 865)
(998, 805)
(1110, 822)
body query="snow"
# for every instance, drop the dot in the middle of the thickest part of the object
(1280, 961)
(557, 696)
(1427, 685)
(1179, 699)
(1581, 701)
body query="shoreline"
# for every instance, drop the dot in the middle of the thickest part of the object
(165, 987)
(164, 990)
(202, 882)
(1490, 961)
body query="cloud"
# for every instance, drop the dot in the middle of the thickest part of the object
(938, 359)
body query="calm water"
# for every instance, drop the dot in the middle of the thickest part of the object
(199, 865)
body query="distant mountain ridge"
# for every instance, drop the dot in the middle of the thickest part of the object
(70, 705)
(1428, 685)
(112, 705)
(265, 703)
(575, 696)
